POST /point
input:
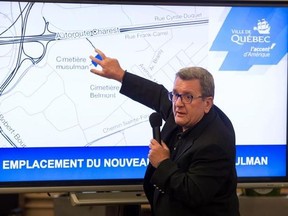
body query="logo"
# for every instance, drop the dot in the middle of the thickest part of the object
(254, 39)
(263, 27)
(247, 36)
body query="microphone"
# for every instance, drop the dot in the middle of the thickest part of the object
(156, 122)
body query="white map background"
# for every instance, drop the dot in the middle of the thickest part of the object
(47, 90)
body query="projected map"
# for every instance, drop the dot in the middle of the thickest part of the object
(49, 97)
(52, 107)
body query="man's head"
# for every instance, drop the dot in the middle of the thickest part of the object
(192, 95)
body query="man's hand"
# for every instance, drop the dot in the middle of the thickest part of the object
(158, 153)
(110, 67)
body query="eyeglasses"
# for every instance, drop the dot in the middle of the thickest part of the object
(185, 98)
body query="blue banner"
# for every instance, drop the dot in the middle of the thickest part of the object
(103, 163)
(73, 163)
(261, 160)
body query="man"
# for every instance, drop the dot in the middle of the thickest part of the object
(192, 172)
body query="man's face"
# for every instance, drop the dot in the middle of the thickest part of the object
(188, 114)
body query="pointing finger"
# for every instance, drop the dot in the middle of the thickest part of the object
(100, 53)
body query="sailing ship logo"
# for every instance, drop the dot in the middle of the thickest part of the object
(262, 27)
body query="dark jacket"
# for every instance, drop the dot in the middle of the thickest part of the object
(201, 177)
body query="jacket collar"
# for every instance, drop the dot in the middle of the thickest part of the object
(194, 132)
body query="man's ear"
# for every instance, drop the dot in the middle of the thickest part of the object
(208, 104)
